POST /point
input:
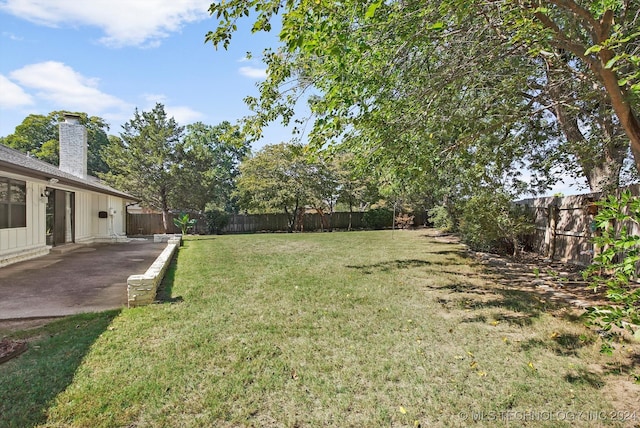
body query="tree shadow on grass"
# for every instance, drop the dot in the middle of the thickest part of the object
(631, 365)
(568, 344)
(564, 344)
(398, 264)
(449, 252)
(390, 265)
(518, 307)
(30, 383)
(522, 301)
(477, 318)
(585, 377)
(165, 289)
(459, 287)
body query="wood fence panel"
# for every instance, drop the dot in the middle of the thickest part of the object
(144, 224)
(564, 226)
(149, 224)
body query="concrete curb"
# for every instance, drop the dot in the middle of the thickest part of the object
(142, 289)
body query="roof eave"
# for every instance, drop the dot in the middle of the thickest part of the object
(17, 169)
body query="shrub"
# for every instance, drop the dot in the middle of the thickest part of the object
(440, 218)
(490, 222)
(615, 267)
(216, 221)
(378, 218)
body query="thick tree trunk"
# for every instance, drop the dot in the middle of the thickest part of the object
(165, 220)
(165, 211)
(600, 31)
(291, 219)
(626, 115)
(324, 224)
(602, 171)
(601, 167)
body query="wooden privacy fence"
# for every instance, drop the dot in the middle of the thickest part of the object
(149, 224)
(564, 226)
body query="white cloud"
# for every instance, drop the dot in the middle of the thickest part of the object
(152, 99)
(12, 36)
(253, 72)
(65, 88)
(124, 22)
(182, 114)
(12, 95)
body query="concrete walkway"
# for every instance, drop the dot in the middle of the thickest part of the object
(90, 278)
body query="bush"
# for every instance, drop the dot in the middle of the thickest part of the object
(378, 218)
(440, 218)
(490, 222)
(615, 266)
(216, 221)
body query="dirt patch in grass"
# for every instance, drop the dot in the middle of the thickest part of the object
(11, 348)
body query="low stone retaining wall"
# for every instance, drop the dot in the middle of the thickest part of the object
(142, 289)
(165, 237)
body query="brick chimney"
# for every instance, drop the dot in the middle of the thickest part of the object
(73, 146)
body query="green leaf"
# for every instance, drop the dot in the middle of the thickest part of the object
(593, 49)
(371, 10)
(611, 62)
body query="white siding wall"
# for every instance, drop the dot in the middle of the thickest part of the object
(28, 239)
(89, 226)
(25, 242)
(83, 216)
(119, 218)
(100, 225)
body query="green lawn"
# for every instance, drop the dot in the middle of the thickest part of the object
(326, 329)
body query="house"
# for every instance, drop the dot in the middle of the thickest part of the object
(42, 206)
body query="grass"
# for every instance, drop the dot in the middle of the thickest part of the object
(297, 330)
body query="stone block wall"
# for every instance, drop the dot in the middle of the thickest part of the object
(164, 237)
(142, 289)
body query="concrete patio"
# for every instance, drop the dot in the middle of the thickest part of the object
(89, 278)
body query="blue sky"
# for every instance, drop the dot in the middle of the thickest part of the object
(108, 57)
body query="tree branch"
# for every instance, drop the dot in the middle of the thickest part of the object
(587, 20)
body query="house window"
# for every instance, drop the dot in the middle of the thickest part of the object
(13, 203)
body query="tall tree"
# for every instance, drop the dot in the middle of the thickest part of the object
(142, 161)
(592, 134)
(393, 86)
(426, 86)
(209, 157)
(355, 188)
(39, 136)
(603, 36)
(279, 178)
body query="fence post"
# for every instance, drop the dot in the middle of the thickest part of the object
(550, 232)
